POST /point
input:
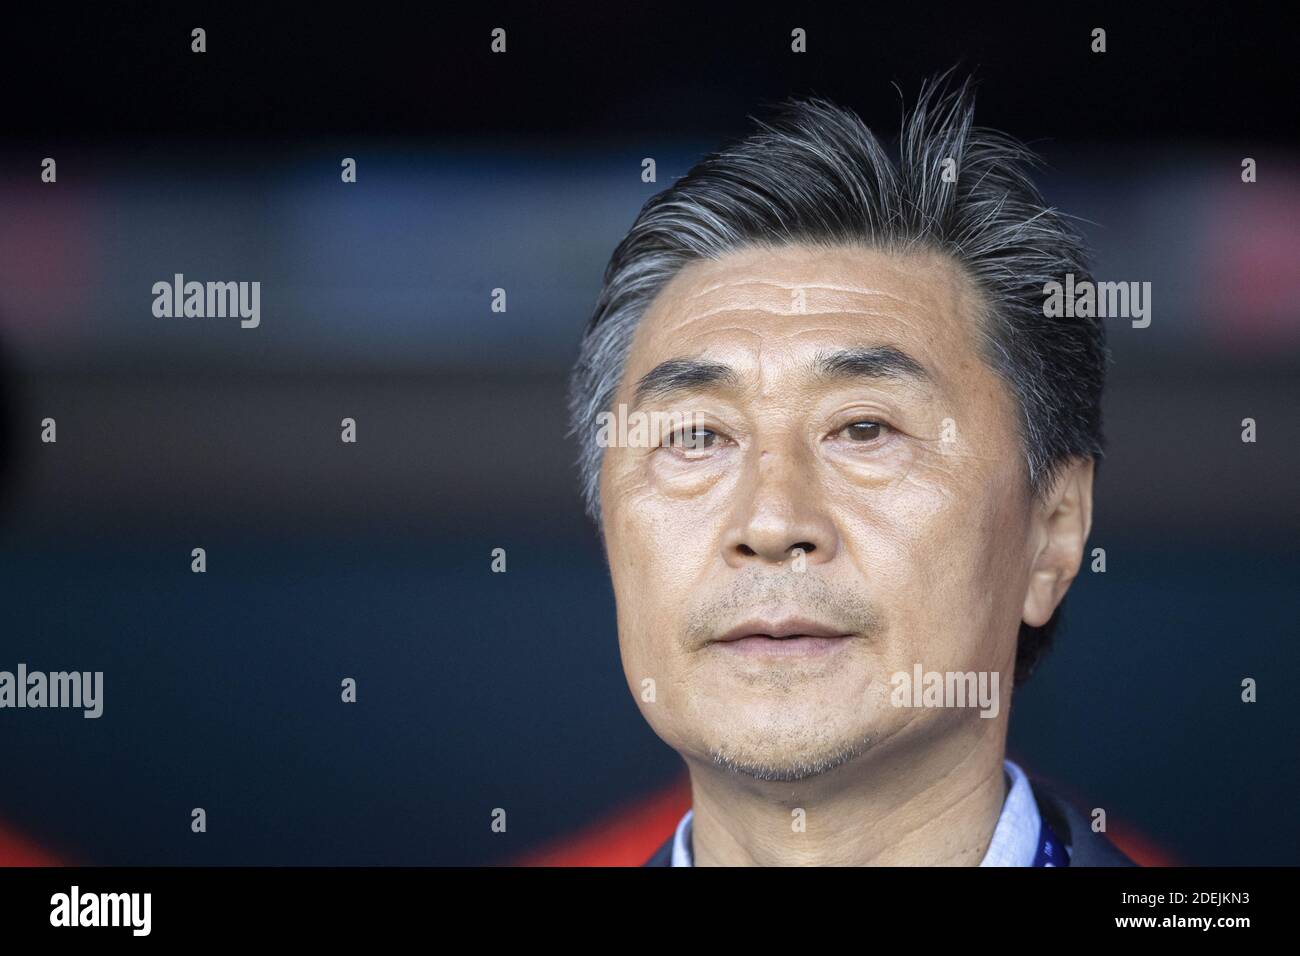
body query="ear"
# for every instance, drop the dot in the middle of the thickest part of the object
(1060, 530)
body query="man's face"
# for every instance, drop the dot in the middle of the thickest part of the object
(857, 473)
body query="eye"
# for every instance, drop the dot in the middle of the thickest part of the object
(863, 431)
(692, 438)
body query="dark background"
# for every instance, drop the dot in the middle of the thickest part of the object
(522, 171)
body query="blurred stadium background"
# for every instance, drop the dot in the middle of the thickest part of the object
(479, 690)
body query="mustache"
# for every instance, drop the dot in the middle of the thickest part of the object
(846, 608)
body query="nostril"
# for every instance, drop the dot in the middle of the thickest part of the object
(807, 547)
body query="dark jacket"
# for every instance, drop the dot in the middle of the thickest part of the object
(1088, 848)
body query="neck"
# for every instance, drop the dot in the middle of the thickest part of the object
(936, 806)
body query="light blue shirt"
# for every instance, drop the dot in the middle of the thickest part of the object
(1014, 843)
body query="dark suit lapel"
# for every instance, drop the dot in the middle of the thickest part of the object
(664, 855)
(1088, 848)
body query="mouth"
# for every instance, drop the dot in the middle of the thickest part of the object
(784, 637)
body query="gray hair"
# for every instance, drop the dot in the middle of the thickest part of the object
(815, 174)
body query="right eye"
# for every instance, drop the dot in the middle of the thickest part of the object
(692, 438)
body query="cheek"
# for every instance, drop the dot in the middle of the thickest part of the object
(657, 549)
(679, 478)
(936, 548)
(665, 516)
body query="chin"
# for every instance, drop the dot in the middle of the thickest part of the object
(784, 765)
(782, 748)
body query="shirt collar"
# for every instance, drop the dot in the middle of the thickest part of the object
(1014, 843)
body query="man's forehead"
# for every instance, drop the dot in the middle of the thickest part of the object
(809, 296)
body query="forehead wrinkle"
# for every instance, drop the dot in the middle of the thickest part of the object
(677, 315)
(723, 310)
(792, 285)
(836, 299)
(700, 282)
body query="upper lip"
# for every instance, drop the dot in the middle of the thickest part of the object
(780, 628)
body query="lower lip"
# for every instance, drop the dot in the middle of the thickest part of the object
(758, 646)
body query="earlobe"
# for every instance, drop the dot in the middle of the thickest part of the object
(1062, 524)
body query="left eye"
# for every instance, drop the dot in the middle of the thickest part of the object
(693, 438)
(863, 431)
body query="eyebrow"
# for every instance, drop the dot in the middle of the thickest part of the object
(870, 361)
(875, 362)
(683, 375)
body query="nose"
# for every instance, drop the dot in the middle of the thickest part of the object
(779, 513)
